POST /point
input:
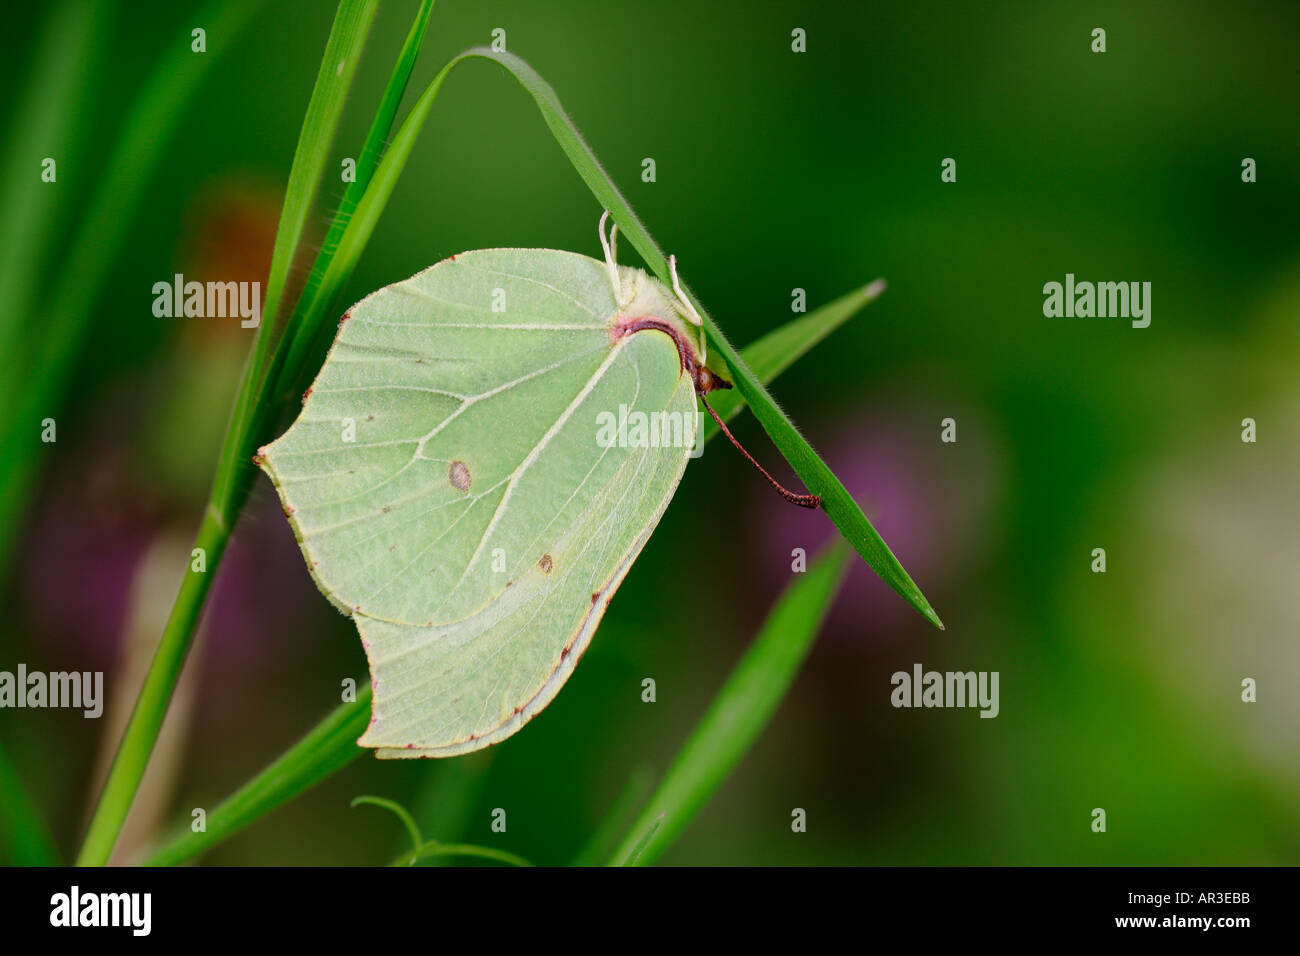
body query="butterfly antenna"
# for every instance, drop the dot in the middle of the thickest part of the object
(803, 501)
(610, 246)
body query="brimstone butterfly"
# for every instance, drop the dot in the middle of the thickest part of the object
(456, 488)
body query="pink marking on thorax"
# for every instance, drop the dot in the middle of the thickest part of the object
(626, 325)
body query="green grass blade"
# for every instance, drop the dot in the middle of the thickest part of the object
(779, 349)
(741, 709)
(342, 53)
(22, 831)
(330, 747)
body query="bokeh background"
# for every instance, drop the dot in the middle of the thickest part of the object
(775, 170)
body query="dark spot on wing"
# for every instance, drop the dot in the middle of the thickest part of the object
(546, 564)
(458, 475)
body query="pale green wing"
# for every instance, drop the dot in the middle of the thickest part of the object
(455, 688)
(448, 487)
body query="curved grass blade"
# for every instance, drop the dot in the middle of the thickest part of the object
(740, 711)
(397, 810)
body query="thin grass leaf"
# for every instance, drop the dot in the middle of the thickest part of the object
(22, 831)
(782, 347)
(329, 747)
(400, 811)
(741, 709)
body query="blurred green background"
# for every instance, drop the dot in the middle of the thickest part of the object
(775, 170)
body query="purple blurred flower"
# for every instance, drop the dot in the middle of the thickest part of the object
(927, 499)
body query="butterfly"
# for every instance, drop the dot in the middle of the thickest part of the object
(484, 453)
